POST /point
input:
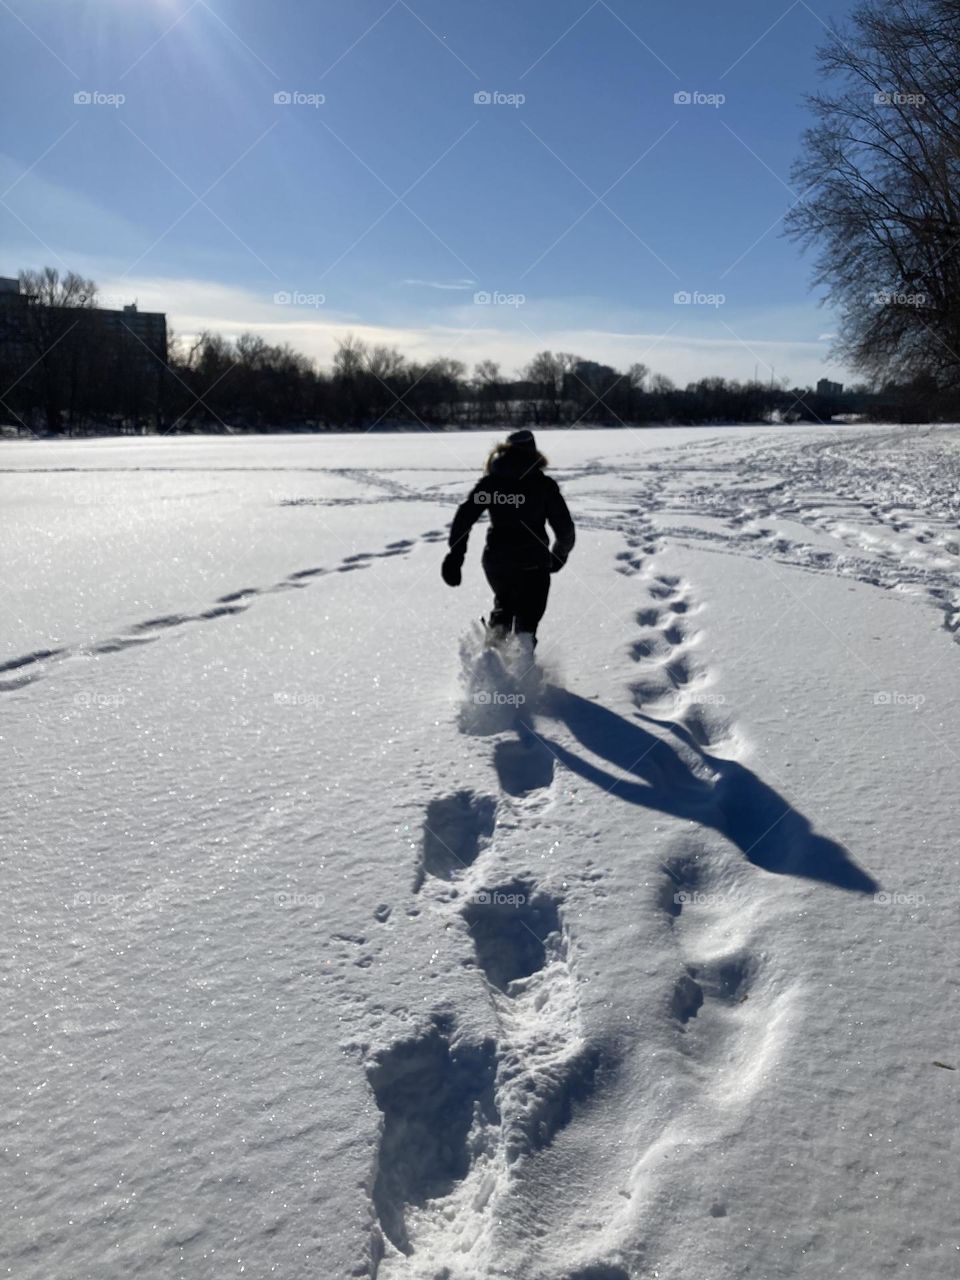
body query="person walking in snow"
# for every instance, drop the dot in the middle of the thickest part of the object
(518, 558)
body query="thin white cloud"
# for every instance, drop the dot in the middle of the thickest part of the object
(440, 284)
(511, 336)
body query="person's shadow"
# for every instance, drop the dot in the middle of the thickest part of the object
(762, 824)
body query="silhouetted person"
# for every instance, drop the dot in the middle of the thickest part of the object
(518, 558)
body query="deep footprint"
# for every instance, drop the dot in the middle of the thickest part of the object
(679, 672)
(653, 646)
(663, 587)
(706, 729)
(510, 925)
(651, 689)
(455, 829)
(683, 877)
(648, 617)
(687, 999)
(728, 979)
(430, 1090)
(523, 766)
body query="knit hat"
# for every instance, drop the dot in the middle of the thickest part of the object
(522, 439)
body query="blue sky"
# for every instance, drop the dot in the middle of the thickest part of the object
(581, 200)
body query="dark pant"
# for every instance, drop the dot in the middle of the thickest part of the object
(520, 596)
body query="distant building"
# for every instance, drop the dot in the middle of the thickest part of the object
(13, 321)
(133, 325)
(829, 389)
(145, 331)
(81, 363)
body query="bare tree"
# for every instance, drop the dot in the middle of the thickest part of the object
(549, 374)
(882, 163)
(637, 375)
(489, 383)
(350, 357)
(59, 342)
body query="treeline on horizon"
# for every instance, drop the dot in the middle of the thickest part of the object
(880, 169)
(68, 377)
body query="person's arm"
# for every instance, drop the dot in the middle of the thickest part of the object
(468, 513)
(564, 530)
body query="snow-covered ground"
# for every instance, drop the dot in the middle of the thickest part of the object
(335, 945)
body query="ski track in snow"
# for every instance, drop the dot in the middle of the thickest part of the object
(15, 673)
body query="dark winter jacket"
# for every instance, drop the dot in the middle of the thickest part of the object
(521, 501)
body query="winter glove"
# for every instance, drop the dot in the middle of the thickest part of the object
(450, 569)
(556, 562)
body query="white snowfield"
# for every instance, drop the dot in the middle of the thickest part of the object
(336, 945)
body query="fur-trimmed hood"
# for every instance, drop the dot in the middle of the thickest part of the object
(515, 461)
